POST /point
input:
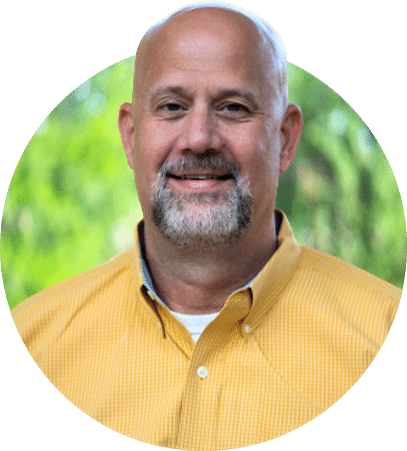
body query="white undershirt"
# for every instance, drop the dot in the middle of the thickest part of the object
(195, 323)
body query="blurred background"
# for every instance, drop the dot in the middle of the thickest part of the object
(72, 203)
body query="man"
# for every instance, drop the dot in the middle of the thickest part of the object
(217, 330)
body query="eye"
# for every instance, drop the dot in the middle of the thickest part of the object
(236, 108)
(172, 107)
(171, 110)
(234, 111)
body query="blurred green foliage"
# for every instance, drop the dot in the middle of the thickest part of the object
(72, 202)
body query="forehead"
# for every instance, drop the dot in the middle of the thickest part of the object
(202, 22)
(218, 44)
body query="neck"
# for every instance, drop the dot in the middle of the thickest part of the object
(200, 281)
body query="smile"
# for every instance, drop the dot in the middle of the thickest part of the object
(201, 177)
(199, 183)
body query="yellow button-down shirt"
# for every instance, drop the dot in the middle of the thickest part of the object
(279, 353)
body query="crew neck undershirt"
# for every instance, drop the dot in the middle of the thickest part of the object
(195, 324)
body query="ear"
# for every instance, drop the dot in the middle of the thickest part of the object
(291, 128)
(126, 128)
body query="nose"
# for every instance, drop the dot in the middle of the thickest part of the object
(200, 132)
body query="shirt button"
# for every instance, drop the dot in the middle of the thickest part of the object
(202, 372)
(151, 295)
(247, 328)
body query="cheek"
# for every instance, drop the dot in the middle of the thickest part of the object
(259, 152)
(261, 164)
(145, 163)
(154, 141)
(150, 147)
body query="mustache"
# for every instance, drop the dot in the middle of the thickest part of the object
(206, 162)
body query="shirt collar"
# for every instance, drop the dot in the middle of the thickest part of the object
(271, 282)
(148, 281)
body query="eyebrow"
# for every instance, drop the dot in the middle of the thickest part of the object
(166, 90)
(225, 93)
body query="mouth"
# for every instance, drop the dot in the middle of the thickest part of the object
(200, 176)
(198, 182)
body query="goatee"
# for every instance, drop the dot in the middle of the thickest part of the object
(202, 220)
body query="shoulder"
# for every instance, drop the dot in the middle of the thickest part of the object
(349, 297)
(59, 303)
(336, 270)
(327, 326)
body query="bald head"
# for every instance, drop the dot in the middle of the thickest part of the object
(229, 25)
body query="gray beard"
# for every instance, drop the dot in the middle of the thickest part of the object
(201, 220)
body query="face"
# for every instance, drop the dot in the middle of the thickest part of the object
(207, 132)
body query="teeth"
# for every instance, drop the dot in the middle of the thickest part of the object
(198, 177)
(201, 177)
